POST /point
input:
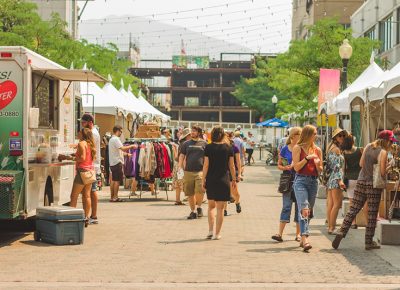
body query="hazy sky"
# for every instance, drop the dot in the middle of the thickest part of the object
(261, 25)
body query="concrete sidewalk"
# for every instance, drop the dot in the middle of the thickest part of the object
(149, 244)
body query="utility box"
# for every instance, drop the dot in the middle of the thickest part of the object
(59, 225)
(388, 233)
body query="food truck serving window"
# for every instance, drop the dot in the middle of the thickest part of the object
(45, 94)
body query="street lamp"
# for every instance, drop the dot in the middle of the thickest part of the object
(345, 52)
(274, 102)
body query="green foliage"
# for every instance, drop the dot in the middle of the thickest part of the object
(20, 25)
(295, 73)
(255, 92)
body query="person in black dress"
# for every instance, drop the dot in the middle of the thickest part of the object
(218, 161)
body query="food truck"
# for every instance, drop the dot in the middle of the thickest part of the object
(39, 109)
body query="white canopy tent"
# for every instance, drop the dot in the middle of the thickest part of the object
(96, 101)
(341, 104)
(132, 102)
(153, 110)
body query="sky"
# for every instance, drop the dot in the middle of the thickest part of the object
(260, 25)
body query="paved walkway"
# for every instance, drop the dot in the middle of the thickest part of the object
(148, 244)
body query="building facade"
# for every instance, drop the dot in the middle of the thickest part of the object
(308, 12)
(67, 9)
(197, 94)
(380, 20)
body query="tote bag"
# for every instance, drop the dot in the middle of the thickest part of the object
(88, 176)
(378, 181)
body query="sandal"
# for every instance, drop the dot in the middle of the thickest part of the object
(277, 238)
(373, 246)
(179, 203)
(116, 200)
(297, 239)
(86, 222)
(306, 247)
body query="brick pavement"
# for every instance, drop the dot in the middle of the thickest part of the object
(149, 244)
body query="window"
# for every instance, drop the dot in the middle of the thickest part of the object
(370, 33)
(385, 33)
(45, 97)
(398, 26)
(191, 101)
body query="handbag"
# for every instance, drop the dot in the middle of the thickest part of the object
(88, 177)
(378, 181)
(285, 183)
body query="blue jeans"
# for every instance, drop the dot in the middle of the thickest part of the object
(287, 209)
(305, 189)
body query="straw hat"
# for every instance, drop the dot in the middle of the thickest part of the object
(185, 133)
(337, 131)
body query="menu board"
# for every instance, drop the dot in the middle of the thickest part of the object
(43, 98)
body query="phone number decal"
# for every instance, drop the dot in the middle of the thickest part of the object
(9, 114)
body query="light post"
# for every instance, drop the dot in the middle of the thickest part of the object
(345, 52)
(274, 102)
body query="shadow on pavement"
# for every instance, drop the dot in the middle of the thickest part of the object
(167, 219)
(184, 241)
(37, 244)
(8, 238)
(257, 242)
(274, 250)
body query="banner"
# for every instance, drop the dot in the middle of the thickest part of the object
(329, 84)
(190, 61)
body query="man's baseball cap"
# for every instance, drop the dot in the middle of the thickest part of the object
(387, 135)
(87, 117)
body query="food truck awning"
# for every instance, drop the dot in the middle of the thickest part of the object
(72, 75)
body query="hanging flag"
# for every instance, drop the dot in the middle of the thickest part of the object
(329, 84)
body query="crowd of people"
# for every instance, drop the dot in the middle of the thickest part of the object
(210, 164)
(343, 168)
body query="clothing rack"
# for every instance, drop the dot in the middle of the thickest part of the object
(158, 181)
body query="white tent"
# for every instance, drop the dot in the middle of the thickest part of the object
(95, 100)
(132, 102)
(154, 111)
(375, 87)
(341, 104)
(117, 98)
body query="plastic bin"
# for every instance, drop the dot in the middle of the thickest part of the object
(60, 225)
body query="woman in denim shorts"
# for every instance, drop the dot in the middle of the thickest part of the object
(285, 164)
(307, 164)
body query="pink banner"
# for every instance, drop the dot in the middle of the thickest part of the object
(329, 84)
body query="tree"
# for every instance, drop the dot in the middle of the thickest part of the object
(21, 25)
(295, 73)
(256, 92)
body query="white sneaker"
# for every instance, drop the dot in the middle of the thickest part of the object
(93, 221)
(216, 237)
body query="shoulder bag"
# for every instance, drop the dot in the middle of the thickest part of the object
(88, 176)
(378, 181)
(285, 183)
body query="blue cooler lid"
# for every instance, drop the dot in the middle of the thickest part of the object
(59, 211)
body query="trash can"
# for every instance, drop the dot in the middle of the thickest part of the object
(60, 225)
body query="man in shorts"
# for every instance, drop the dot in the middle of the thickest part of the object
(191, 159)
(240, 145)
(115, 152)
(87, 121)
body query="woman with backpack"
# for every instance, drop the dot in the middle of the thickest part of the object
(307, 163)
(285, 164)
(335, 184)
(368, 188)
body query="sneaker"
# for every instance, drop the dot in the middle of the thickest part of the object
(373, 246)
(225, 212)
(192, 216)
(238, 208)
(216, 237)
(199, 212)
(93, 221)
(209, 236)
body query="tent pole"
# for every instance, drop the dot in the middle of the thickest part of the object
(385, 113)
(368, 120)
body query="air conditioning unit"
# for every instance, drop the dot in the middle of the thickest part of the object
(191, 84)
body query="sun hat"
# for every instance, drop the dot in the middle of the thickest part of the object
(387, 135)
(185, 133)
(337, 132)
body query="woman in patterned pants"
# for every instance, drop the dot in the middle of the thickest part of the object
(364, 191)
